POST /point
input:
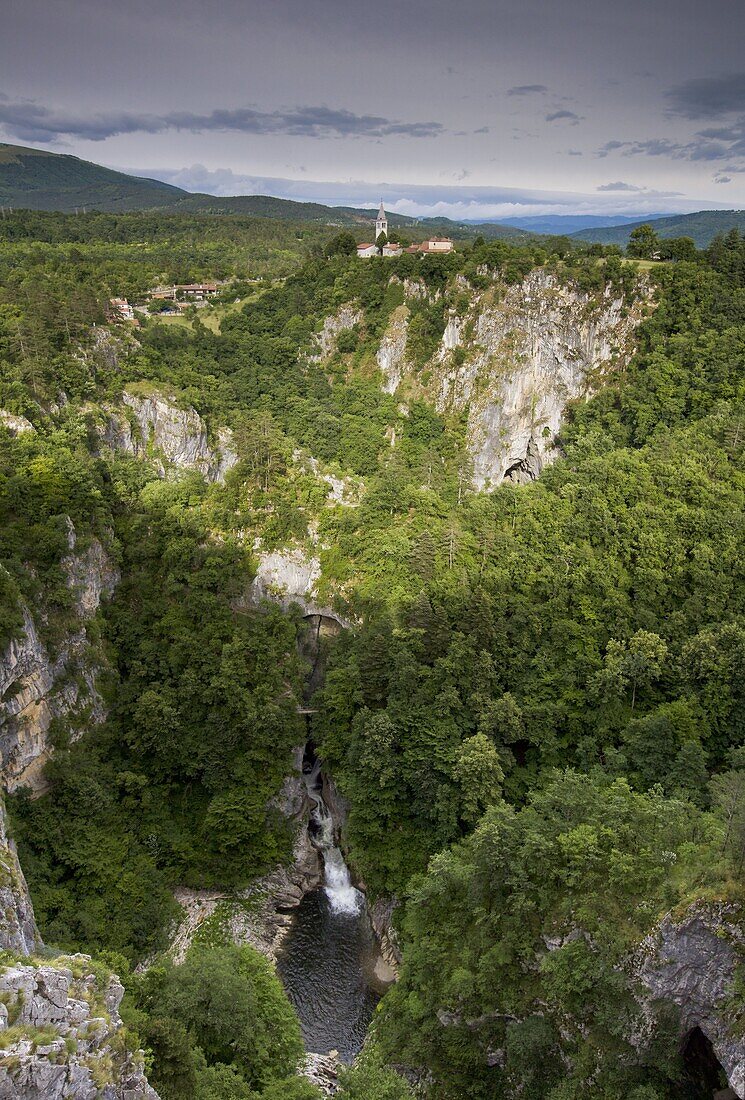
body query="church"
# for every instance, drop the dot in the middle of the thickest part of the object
(391, 248)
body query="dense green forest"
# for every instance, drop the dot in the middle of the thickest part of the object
(537, 718)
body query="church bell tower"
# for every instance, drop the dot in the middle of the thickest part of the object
(381, 223)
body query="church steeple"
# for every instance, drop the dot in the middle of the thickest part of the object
(381, 223)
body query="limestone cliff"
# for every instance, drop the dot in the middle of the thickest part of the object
(691, 962)
(324, 342)
(38, 686)
(61, 1035)
(513, 358)
(18, 932)
(171, 437)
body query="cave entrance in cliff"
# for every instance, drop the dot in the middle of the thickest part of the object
(705, 1078)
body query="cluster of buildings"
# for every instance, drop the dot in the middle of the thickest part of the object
(438, 245)
(189, 292)
(180, 296)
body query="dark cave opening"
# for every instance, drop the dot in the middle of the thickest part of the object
(704, 1077)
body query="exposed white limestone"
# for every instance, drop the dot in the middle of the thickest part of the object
(15, 424)
(172, 437)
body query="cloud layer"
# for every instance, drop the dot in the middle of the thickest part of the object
(30, 121)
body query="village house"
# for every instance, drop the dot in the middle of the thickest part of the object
(120, 310)
(439, 245)
(198, 291)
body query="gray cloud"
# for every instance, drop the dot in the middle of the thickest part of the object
(30, 121)
(528, 89)
(723, 179)
(557, 116)
(619, 185)
(708, 97)
(718, 143)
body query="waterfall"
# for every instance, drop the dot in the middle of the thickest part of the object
(344, 899)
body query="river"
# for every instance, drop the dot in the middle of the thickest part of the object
(328, 960)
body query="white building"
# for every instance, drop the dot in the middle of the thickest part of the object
(366, 250)
(437, 244)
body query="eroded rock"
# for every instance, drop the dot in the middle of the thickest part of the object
(170, 436)
(36, 687)
(691, 962)
(66, 1041)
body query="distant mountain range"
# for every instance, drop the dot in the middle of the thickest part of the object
(702, 226)
(568, 224)
(39, 180)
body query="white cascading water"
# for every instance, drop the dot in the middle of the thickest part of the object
(343, 897)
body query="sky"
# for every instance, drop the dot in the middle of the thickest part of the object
(469, 108)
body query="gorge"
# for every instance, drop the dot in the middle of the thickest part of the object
(395, 616)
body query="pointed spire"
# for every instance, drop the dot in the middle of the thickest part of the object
(381, 212)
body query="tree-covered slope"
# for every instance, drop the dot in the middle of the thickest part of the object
(37, 180)
(702, 227)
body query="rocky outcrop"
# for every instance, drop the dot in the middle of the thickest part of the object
(18, 931)
(391, 355)
(381, 916)
(37, 687)
(344, 490)
(287, 577)
(61, 1035)
(324, 342)
(260, 915)
(173, 438)
(16, 425)
(691, 962)
(534, 347)
(322, 1070)
(514, 360)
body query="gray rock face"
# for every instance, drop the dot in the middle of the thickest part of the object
(381, 917)
(391, 354)
(59, 1036)
(535, 346)
(170, 436)
(322, 1070)
(325, 341)
(36, 687)
(524, 351)
(17, 425)
(691, 963)
(60, 1030)
(287, 577)
(18, 931)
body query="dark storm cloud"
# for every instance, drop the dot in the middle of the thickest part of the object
(708, 97)
(29, 121)
(528, 89)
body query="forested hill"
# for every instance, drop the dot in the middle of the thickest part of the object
(37, 180)
(702, 227)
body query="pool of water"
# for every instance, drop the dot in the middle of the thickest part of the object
(326, 966)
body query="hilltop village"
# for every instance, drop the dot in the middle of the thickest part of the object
(440, 245)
